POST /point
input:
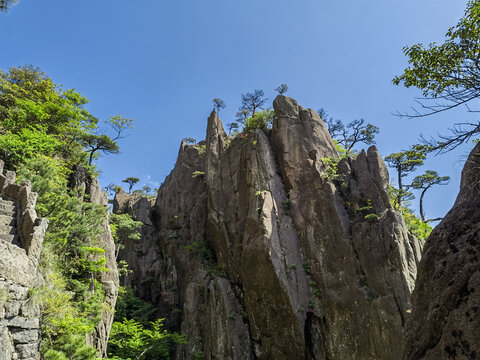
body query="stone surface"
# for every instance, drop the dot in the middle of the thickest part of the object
(108, 279)
(445, 321)
(262, 255)
(21, 238)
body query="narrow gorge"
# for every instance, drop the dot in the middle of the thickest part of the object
(267, 245)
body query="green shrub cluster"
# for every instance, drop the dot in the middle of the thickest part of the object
(136, 334)
(46, 135)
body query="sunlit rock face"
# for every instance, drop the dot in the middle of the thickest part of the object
(21, 238)
(445, 321)
(88, 187)
(256, 249)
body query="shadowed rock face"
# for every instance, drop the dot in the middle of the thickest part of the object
(303, 264)
(445, 321)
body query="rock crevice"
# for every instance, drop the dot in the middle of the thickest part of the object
(256, 243)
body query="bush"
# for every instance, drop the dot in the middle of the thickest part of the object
(262, 120)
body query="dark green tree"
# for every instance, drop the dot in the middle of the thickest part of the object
(190, 140)
(253, 101)
(131, 181)
(6, 4)
(104, 143)
(404, 162)
(232, 126)
(356, 131)
(426, 181)
(282, 89)
(218, 104)
(242, 116)
(449, 76)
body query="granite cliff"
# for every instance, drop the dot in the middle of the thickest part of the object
(445, 321)
(257, 248)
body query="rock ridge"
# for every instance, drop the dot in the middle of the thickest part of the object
(260, 252)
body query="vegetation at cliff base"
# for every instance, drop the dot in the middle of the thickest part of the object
(136, 333)
(49, 138)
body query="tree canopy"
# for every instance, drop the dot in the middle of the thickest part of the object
(131, 181)
(404, 162)
(356, 131)
(282, 89)
(448, 75)
(426, 181)
(6, 4)
(218, 104)
(251, 102)
(38, 116)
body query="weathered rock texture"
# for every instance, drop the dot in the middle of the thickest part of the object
(85, 184)
(255, 250)
(21, 238)
(445, 321)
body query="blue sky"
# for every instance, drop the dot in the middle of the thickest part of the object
(162, 62)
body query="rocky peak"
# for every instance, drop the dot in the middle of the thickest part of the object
(271, 244)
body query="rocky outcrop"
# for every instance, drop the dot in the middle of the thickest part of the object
(445, 321)
(21, 238)
(89, 186)
(357, 247)
(262, 246)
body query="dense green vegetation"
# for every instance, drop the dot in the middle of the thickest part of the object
(42, 136)
(48, 136)
(136, 333)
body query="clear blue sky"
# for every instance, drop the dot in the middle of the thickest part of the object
(161, 63)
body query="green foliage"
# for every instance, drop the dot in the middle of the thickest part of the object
(347, 136)
(404, 162)
(135, 334)
(371, 217)
(64, 323)
(330, 168)
(416, 226)
(42, 132)
(206, 257)
(218, 104)
(131, 181)
(307, 268)
(17, 148)
(189, 140)
(251, 102)
(123, 228)
(198, 174)
(262, 120)
(450, 66)
(6, 4)
(48, 120)
(131, 340)
(131, 307)
(448, 74)
(426, 181)
(282, 89)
